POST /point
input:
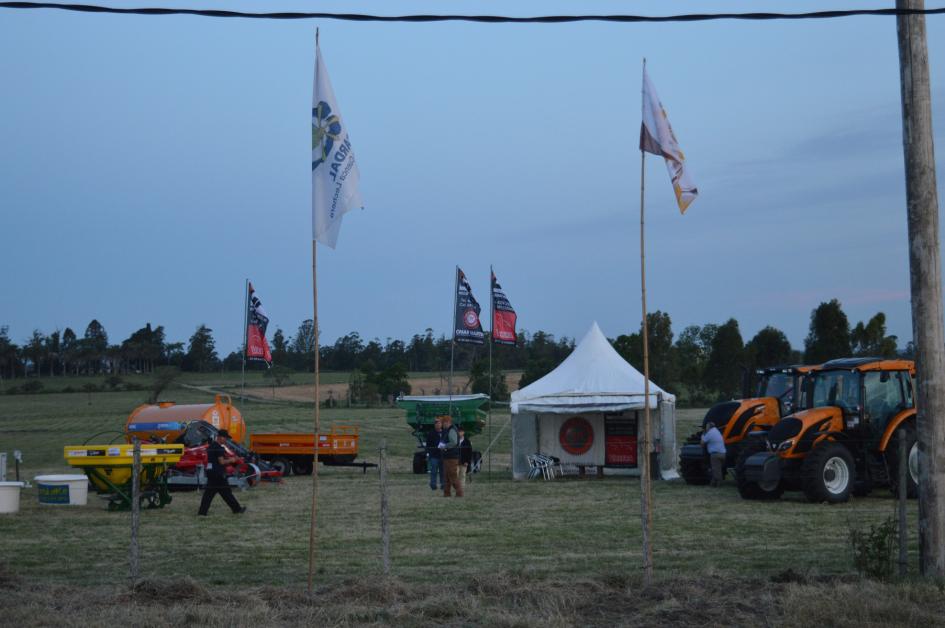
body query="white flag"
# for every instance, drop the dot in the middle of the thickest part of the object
(335, 173)
(656, 136)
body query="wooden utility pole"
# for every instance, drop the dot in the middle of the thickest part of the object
(385, 512)
(133, 553)
(925, 269)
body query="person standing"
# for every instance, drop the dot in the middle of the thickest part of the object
(715, 446)
(450, 447)
(435, 456)
(217, 460)
(465, 458)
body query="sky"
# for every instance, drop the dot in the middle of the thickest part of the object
(150, 165)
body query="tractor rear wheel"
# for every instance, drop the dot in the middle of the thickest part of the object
(912, 461)
(754, 490)
(828, 473)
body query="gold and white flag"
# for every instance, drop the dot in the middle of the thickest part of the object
(656, 136)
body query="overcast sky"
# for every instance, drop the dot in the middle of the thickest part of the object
(149, 165)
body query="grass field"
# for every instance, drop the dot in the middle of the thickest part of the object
(556, 535)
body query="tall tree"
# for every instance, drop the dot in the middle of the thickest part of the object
(94, 346)
(663, 369)
(69, 350)
(871, 339)
(829, 335)
(34, 350)
(724, 368)
(280, 347)
(769, 347)
(8, 354)
(201, 353)
(53, 351)
(303, 346)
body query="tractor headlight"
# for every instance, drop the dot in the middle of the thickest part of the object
(785, 445)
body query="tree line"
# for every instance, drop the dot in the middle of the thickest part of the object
(701, 365)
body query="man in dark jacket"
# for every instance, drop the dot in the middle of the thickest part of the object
(435, 456)
(217, 460)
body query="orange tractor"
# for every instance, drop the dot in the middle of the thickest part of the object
(779, 392)
(845, 441)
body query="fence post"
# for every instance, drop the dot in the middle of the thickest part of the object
(385, 511)
(135, 508)
(903, 528)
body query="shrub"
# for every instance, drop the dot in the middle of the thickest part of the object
(32, 386)
(873, 549)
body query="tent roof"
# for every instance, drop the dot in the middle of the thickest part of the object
(594, 378)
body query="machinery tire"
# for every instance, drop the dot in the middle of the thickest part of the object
(419, 462)
(731, 457)
(828, 473)
(302, 466)
(752, 490)
(696, 473)
(283, 465)
(912, 455)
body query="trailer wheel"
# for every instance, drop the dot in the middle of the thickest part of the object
(753, 490)
(912, 460)
(828, 473)
(302, 466)
(282, 465)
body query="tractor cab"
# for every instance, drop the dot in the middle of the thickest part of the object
(840, 442)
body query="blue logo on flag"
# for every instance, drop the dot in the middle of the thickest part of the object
(326, 128)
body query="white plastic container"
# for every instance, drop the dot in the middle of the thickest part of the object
(63, 490)
(10, 497)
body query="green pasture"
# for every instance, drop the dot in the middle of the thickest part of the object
(566, 528)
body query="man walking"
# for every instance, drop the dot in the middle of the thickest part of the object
(450, 447)
(435, 456)
(715, 445)
(217, 460)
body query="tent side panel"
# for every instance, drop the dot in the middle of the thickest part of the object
(524, 442)
(550, 443)
(668, 453)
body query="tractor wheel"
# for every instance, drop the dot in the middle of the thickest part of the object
(282, 465)
(731, 457)
(912, 460)
(695, 472)
(828, 473)
(753, 490)
(302, 466)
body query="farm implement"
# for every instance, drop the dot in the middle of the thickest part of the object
(465, 410)
(292, 452)
(109, 469)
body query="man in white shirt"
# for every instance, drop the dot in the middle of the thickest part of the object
(715, 445)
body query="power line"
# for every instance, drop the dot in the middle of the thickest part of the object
(489, 19)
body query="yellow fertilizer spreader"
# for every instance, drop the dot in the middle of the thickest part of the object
(109, 469)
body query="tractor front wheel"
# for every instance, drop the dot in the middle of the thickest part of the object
(828, 473)
(754, 490)
(912, 461)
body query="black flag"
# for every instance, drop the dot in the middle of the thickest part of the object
(467, 327)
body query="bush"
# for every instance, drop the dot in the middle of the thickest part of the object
(32, 386)
(113, 381)
(12, 390)
(873, 549)
(69, 389)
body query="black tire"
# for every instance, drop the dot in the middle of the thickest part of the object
(302, 466)
(731, 457)
(695, 472)
(912, 454)
(828, 473)
(753, 490)
(419, 462)
(283, 465)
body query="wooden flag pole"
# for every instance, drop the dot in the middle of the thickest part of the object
(646, 511)
(311, 531)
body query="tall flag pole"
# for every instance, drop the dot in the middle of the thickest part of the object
(335, 177)
(656, 137)
(503, 333)
(467, 328)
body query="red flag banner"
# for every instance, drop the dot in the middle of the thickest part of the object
(256, 346)
(503, 316)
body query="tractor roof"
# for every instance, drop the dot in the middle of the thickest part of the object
(869, 364)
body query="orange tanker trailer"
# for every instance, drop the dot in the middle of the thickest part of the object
(167, 420)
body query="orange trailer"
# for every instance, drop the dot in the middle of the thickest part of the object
(294, 451)
(168, 420)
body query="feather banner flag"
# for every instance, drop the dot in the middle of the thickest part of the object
(335, 172)
(257, 321)
(657, 137)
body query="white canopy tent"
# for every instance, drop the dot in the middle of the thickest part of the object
(589, 412)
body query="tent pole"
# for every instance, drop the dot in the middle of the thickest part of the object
(646, 510)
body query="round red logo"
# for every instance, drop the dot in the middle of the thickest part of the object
(470, 319)
(576, 435)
